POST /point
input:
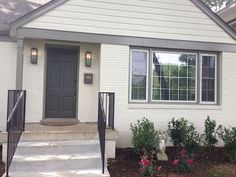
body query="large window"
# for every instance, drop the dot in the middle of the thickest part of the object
(139, 72)
(173, 76)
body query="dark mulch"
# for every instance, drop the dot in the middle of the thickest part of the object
(207, 164)
(2, 165)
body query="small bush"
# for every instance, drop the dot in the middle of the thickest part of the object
(183, 134)
(229, 138)
(210, 133)
(149, 165)
(184, 163)
(144, 135)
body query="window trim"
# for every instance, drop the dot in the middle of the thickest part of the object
(196, 77)
(216, 79)
(130, 76)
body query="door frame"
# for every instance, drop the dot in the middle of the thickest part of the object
(62, 46)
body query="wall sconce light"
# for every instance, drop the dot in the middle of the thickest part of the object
(34, 56)
(88, 59)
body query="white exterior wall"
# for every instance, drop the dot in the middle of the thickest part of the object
(35, 75)
(114, 74)
(7, 77)
(166, 19)
(88, 93)
(33, 81)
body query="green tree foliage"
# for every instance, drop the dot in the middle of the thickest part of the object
(216, 5)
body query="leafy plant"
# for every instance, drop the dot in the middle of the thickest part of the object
(228, 135)
(184, 163)
(149, 164)
(210, 133)
(184, 134)
(144, 135)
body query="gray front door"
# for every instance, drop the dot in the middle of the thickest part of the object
(61, 83)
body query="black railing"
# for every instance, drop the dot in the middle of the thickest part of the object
(15, 122)
(106, 106)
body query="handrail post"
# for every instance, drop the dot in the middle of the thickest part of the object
(106, 101)
(111, 110)
(15, 122)
(24, 107)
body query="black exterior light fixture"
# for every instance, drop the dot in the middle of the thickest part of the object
(34, 56)
(88, 59)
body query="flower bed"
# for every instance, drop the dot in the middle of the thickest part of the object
(126, 164)
(193, 154)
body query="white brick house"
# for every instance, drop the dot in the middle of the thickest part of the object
(161, 58)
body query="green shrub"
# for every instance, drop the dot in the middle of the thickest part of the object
(210, 133)
(149, 165)
(229, 138)
(184, 134)
(184, 163)
(144, 135)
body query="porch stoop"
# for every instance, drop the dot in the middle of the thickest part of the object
(61, 151)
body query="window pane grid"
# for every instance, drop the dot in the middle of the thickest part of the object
(174, 79)
(139, 75)
(208, 78)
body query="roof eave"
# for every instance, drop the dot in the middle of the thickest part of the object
(201, 5)
(32, 15)
(55, 3)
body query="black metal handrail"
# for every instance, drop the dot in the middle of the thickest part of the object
(106, 107)
(15, 122)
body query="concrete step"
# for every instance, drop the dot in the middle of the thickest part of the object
(65, 156)
(57, 159)
(72, 173)
(57, 149)
(56, 165)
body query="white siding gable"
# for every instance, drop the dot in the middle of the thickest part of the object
(166, 19)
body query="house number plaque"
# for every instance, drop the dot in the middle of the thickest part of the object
(88, 78)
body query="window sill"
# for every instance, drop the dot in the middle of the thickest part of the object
(174, 106)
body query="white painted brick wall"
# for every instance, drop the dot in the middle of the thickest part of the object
(114, 77)
(7, 77)
(33, 81)
(87, 100)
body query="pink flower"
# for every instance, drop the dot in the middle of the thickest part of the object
(190, 162)
(159, 168)
(175, 162)
(142, 170)
(145, 162)
(183, 153)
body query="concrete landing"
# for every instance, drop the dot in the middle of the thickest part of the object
(81, 131)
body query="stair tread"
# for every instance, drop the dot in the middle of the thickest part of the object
(57, 143)
(65, 156)
(64, 173)
(57, 159)
(54, 165)
(57, 149)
